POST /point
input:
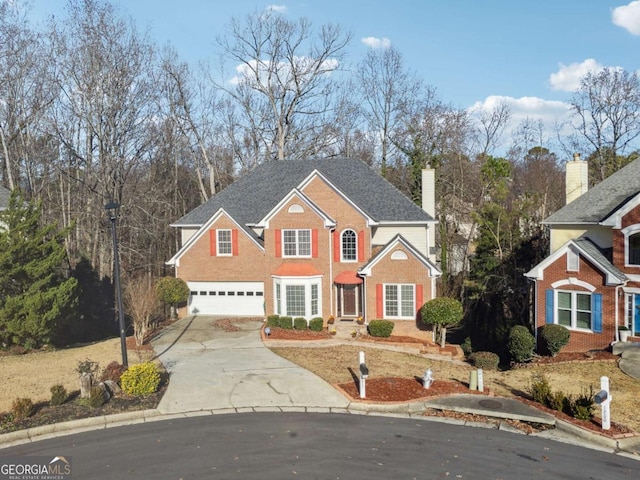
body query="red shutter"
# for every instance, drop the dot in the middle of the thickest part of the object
(361, 246)
(336, 246)
(234, 242)
(379, 301)
(278, 243)
(314, 243)
(212, 242)
(419, 297)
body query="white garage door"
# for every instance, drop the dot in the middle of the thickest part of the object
(226, 298)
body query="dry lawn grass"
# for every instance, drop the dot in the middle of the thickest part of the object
(32, 375)
(333, 364)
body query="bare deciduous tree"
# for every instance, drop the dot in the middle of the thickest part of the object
(142, 306)
(607, 109)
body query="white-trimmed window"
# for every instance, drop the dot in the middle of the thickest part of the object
(224, 245)
(296, 243)
(573, 309)
(399, 301)
(298, 296)
(349, 246)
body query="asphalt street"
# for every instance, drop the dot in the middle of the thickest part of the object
(292, 445)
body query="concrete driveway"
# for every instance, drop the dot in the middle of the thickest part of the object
(213, 369)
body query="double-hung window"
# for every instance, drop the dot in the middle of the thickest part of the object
(574, 309)
(399, 301)
(224, 247)
(296, 243)
(349, 246)
(633, 243)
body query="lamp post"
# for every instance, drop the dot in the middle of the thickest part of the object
(113, 209)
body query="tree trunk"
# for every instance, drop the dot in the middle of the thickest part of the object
(86, 382)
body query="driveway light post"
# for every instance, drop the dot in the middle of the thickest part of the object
(113, 209)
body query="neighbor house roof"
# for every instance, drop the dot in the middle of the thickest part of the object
(253, 195)
(601, 201)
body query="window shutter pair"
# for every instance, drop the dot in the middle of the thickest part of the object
(596, 310)
(314, 243)
(213, 242)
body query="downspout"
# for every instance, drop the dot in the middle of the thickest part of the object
(617, 337)
(331, 230)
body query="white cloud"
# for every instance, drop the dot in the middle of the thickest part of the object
(567, 78)
(375, 42)
(627, 17)
(550, 112)
(277, 8)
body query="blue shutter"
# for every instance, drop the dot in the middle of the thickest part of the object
(548, 307)
(596, 312)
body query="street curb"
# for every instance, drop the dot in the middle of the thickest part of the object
(629, 446)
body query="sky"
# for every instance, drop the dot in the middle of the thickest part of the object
(528, 54)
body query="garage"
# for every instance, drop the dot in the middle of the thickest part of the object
(226, 298)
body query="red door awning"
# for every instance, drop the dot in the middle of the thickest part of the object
(348, 278)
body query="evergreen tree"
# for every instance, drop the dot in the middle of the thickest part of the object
(36, 297)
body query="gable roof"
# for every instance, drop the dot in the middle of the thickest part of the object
(591, 252)
(601, 201)
(434, 271)
(254, 195)
(4, 197)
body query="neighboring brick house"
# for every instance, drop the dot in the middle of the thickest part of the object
(310, 238)
(590, 282)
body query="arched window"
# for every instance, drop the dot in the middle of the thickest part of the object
(349, 246)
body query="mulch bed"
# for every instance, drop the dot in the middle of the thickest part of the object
(278, 333)
(398, 389)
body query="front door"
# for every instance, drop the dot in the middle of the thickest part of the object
(348, 300)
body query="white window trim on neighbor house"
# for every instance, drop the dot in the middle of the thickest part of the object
(224, 247)
(295, 247)
(310, 287)
(396, 306)
(629, 232)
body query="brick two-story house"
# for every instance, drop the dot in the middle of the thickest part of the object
(590, 282)
(310, 238)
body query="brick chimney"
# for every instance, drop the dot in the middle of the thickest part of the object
(577, 178)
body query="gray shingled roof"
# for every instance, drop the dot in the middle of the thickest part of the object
(601, 201)
(599, 256)
(4, 197)
(253, 195)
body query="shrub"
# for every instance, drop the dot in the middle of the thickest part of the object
(380, 328)
(581, 407)
(300, 323)
(466, 347)
(553, 337)
(485, 360)
(172, 291)
(140, 379)
(58, 395)
(557, 401)
(316, 324)
(540, 389)
(521, 344)
(113, 372)
(285, 322)
(442, 313)
(22, 408)
(272, 320)
(96, 397)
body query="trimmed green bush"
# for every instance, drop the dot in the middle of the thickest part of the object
(58, 395)
(316, 324)
(521, 344)
(380, 328)
(485, 360)
(553, 337)
(140, 379)
(300, 323)
(272, 321)
(441, 313)
(285, 322)
(466, 347)
(22, 408)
